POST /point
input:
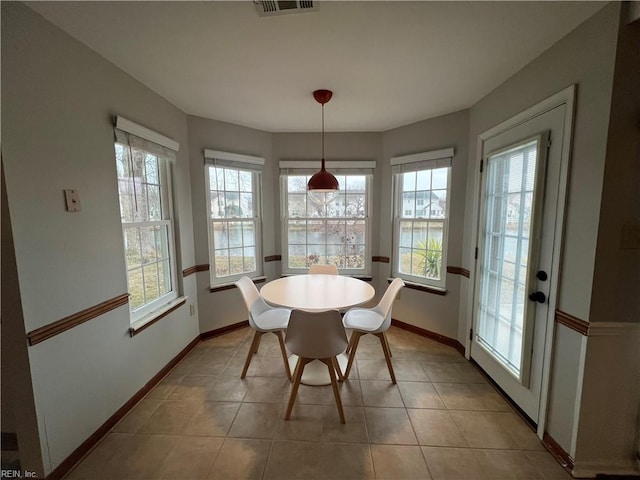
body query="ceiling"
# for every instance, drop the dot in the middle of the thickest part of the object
(388, 63)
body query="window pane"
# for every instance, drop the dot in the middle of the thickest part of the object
(336, 255)
(408, 181)
(236, 261)
(439, 178)
(406, 233)
(355, 257)
(316, 254)
(315, 232)
(132, 251)
(164, 274)
(297, 184)
(356, 205)
(150, 273)
(408, 204)
(148, 245)
(405, 260)
(220, 235)
(136, 289)
(245, 181)
(355, 232)
(246, 205)
(248, 234)
(154, 206)
(336, 232)
(231, 180)
(297, 232)
(249, 259)
(297, 204)
(356, 183)
(235, 234)
(151, 169)
(222, 263)
(438, 206)
(423, 180)
(297, 256)
(162, 241)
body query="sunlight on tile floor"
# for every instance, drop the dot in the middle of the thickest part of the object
(442, 421)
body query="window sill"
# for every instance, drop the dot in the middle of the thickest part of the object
(228, 286)
(422, 288)
(156, 315)
(366, 278)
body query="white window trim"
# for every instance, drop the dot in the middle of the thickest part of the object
(295, 167)
(412, 163)
(253, 165)
(138, 315)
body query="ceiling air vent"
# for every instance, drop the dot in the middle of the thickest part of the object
(272, 7)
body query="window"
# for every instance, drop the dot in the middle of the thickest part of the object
(144, 180)
(421, 218)
(233, 207)
(337, 233)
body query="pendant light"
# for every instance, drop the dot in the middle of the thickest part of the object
(323, 186)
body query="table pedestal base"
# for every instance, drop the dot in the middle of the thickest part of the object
(316, 373)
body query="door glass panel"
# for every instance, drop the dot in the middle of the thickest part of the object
(504, 266)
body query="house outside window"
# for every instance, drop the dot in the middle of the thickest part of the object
(337, 233)
(234, 215)
(146, 212)
(421, 216)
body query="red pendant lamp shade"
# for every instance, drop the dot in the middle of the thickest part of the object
(323, 181)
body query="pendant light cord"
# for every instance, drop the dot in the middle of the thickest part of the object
(323, 136)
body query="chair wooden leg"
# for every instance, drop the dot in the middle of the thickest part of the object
(297, 376)
(386, 340)
(252, 349)
(336, 367)
(349, 345)
(352, 354)
(336, 393)
(284, 353)
(255, 350)
(387, 355)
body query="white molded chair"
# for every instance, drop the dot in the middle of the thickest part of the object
(324, 269)
(372, 320)
(316, 336)
(263, 319)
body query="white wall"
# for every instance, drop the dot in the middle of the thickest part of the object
(226, 307)
(58, 103)
(584, 57)
(426, 310)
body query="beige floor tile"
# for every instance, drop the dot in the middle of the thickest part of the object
(485, 429)
(229, 389)
(203, 421)
(192, 387)
(420, 395)
(293, 460)
(305, 424)
(395, 462)
(353, 431)
(453, 373)
(453, 464)
(268, 389)
(506, 465)
(547, 467)
(345, 462)
(166, 386)
(138, 416)
(125, 456)
(350, 394)
(471, 396)
(171, 417)
(190, 458)
(213, 419)
(436, 428)
(241, 459)
(389, 426)
(379, 393)
(257, 420)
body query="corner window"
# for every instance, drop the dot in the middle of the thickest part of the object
(146, 212)
(233, 208)
(421, 219)
(336, 233)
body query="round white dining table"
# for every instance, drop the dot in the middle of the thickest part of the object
(317, 292)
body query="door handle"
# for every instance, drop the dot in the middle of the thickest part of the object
(542, 275)
(538, 297)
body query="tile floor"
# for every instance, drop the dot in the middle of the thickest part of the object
(442, 421)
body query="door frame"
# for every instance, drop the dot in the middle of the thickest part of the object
(565, 97)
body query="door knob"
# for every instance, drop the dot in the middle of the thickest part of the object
(541, 275)
(538, 297)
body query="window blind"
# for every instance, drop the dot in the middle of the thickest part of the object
(422, 161)
(136, 136)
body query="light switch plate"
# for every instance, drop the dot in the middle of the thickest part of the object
(72, 200)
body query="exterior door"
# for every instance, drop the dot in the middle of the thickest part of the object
(520, 182)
